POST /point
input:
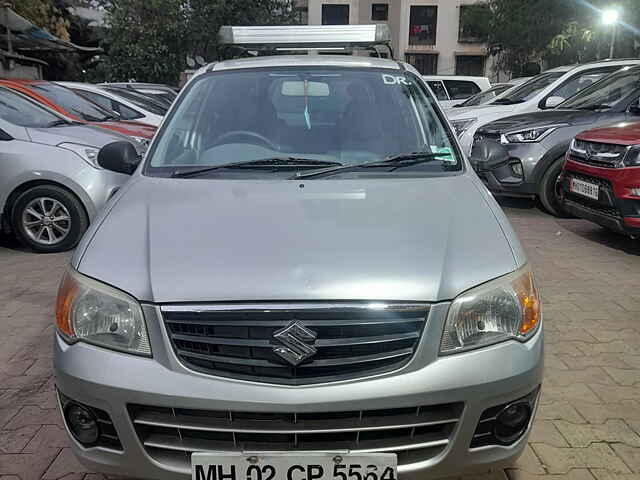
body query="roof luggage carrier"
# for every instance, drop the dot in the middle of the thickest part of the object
(237, 42)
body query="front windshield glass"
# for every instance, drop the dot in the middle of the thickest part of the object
(141, 101)
(606, 93)
(336, 116)
(486, 96)
(18, 110)
(73, 103)
(529, 89)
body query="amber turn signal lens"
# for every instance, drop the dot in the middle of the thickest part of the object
(66, 294)
(529, 301)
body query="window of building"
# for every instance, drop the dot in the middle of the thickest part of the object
(470, 65)
(461, 89)
(425, 63)
(335, 14)
(474, 23)
(422, 25)
(379, 12)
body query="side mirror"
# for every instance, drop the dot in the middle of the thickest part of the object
(634, 109)
(120, 157)
(487, 155)
(4, 136)
(552, 102)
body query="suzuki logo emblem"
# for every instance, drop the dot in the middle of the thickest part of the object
(296, 343)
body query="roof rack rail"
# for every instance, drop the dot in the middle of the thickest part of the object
(237, 42)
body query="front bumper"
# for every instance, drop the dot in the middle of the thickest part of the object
(615, 209)
(481, 379)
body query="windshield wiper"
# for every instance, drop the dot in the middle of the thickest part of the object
(599, 106)
(507, 101)
(57, 123)
(395, 161)
(276, 162)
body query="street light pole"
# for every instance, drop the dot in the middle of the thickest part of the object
(614, 31)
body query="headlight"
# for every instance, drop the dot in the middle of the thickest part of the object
(92, 312)
(503, 309)
(632, 158)
(87, 153)
(531, 135)
(461, 126)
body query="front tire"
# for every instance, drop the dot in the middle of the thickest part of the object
(548, 193)
(49, 219)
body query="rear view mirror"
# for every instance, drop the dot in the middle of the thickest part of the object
(297, 89)
(488, 155)
(553, 102)
(119, 157)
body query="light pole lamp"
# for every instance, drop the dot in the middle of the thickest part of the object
(611, 16)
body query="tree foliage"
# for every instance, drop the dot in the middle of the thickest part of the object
(50, 15)
(149, 40)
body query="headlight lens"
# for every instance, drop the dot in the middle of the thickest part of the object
(462, 125)
(632, 158)
(529, 136)
(89, 311)
(88, 153)
(503, 309)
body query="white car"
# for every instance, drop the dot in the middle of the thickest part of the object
(487, 96)
(128, 104)
(453, 89)
(547, 90)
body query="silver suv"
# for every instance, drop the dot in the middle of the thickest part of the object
(51, 185)
(303, 279)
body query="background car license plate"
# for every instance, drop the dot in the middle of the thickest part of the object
(293, 466)
(586, 189)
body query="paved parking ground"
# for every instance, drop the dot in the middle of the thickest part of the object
(588, 423)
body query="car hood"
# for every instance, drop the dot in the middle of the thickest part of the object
(619, 134)
(539, 119)
(133, 129)
(81, 134)
(201, 240)
(481, 111)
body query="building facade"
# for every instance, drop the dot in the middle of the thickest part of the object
(438, 37)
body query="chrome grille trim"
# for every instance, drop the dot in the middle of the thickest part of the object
(173, 431)
(353, 339)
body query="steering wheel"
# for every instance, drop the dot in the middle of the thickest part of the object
(246, 133)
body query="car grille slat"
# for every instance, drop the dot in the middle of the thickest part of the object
(167, 433)
(351, 339)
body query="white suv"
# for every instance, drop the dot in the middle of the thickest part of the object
(547, 90)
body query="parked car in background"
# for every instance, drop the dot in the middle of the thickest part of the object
(600, 180)
(164, 93)
(128, 104)
(491, 94)
(77, 108)
(453, 89)
(51, 185)
(404, 328)
(534, 144)
(544, 91)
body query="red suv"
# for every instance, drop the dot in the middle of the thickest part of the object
(600, 180)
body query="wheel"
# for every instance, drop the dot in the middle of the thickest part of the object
(548, 193)
(49, 219)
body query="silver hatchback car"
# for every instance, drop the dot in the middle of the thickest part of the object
(303, 280)
(51, 185)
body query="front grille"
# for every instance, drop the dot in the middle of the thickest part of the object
(171, 435)
(604, 155)
(351, 340)
(589, 204)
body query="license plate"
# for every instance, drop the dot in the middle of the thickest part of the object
(585, 189)
(293, 466)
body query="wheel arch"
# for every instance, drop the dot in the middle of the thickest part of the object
(549, 158)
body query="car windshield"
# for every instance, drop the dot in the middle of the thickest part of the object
(529, 89)
(73, 103)
(336, 116)
(486, 96)
(607, 92)
(17, 110)
(141, 101)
